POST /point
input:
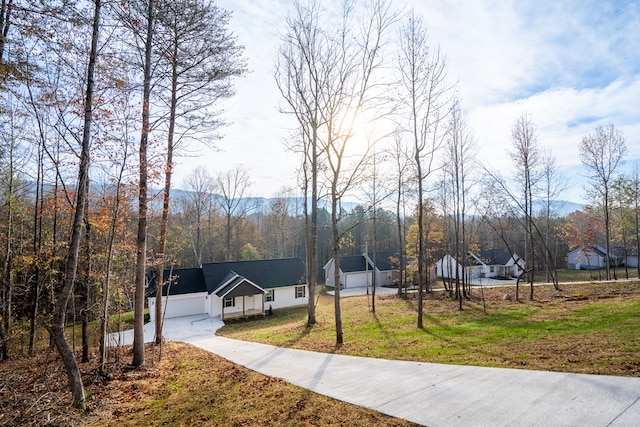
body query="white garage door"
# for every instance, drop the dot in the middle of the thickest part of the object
(180, 305)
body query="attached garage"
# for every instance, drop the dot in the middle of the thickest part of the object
(187, 290)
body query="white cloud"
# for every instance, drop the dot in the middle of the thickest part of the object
(571, 65)
(562, 116)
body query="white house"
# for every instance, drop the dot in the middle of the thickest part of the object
(358, 270)
(232, 289)
(446, 267)
(492, 263)
(594, 257)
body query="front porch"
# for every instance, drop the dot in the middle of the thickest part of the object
(242, 314)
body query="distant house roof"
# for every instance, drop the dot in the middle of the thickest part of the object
(352, 263)
(227, 278)
(495, 256)
(616, 251)
(383, 260)
(357, 263)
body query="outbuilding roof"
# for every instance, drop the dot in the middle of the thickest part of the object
(357, 263)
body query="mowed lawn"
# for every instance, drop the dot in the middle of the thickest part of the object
(587, 328)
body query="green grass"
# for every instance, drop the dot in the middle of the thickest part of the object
(566, 275)
(597, 333)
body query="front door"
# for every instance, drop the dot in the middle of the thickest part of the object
(249, 302)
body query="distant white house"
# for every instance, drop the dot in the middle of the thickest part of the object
(493, 263)
(594, 257)
(446, 267)
(231, 289)
(358, 270)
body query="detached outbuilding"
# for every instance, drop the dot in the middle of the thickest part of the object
(594, 257)
(231, 289)
(358, 270)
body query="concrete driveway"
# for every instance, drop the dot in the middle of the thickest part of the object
(427, 393)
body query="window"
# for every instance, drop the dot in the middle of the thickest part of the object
(300, 291)
(229, 301)
(269, 296)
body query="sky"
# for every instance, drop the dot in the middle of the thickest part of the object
(569, 65)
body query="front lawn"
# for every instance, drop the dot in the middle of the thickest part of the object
(587, 328)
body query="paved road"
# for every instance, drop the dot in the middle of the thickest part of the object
(427, 393)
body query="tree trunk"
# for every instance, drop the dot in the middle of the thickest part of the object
(85, 288)
(313, 234)
(421, 248)
(107, 280)
(165, 205)
(336, 262)
(141, 242)
(5, 24)
(7, 274)
(56, 328)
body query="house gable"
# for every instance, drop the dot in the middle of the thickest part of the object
(238, 286)
(266, 274)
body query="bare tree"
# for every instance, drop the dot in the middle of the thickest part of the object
(634, 195)
(349, 63)
(426, 96)
(602, 153)
(200, 186)
(458, 165)
(534, 178)
(233, 185)
(527, 158)
(8, 178)
(552, 185)
(298, 76)
(141, 241)
(5, 24)
(402, 163)
(56, 328)
(279, 227)
(201, 57)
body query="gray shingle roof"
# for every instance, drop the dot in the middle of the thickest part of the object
(353, 263)
(383, 260)
(495, 256)
(184, 281)
(349, 264)
(238, 286)
(266, 274)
